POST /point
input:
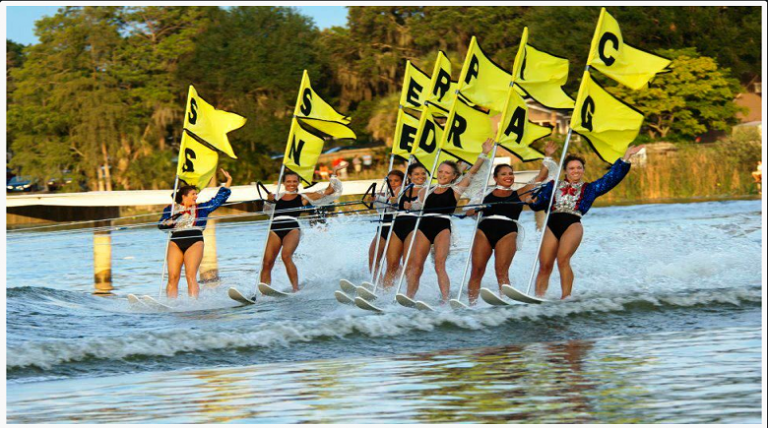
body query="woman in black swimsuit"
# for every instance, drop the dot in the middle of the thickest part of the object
(497, 232)
(187, 223)
(405, 221)
(285, 230)
(395, 180)
(435, 225)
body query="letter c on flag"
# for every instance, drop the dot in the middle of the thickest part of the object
(607, 37)
(587, 112)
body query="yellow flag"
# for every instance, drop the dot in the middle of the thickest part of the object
(621, 62)
(442, 90)
(209, 124)
(302, 152)
(608, 124)
(466, 130)
(516, 133)
(415, 87)
(541, 75)
(428, 137)
(482, 81)
(405, 134)
(197, 163)
(310, 105)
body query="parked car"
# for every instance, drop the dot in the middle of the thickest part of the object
(56, 183)
(22, 183)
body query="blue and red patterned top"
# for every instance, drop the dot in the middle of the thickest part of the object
(196, 216)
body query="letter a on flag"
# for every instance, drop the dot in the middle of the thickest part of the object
(541, 76)
(621, 62)
(415, 87)
(516, 133)
(302, 152)
(210, 125)
(482, 81)
(608, 124)
(197, 163)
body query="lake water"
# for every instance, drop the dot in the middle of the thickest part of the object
(666, 326)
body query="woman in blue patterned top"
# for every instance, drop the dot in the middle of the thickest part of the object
(187, 223)
(573, 198)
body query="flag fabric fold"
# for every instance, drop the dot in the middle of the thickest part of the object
(541, 76)
(482, 81)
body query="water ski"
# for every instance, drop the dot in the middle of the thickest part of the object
(347, 286)
(365, 293)
(154, 304)
(342, 298)
(424, 307)
(135, 301)
(367, 285)
(456, 304)
(405, 300)
(513, 294)
(235, 294)
(266, 290)
(364, 304)
(491, 298)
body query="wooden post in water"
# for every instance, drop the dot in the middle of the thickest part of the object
(102, 258)
(209, 268)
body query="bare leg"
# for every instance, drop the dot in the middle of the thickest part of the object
(192, 259)
(394, 254)
(175, 260)
(442, 248)
(569, 243)
(290, 243)
(505, 252)
(546, 261)
(270, 255)
(481, 253)
(416, 262)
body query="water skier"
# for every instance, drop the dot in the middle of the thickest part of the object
(573, 199)
(187, 244)
(388, 196)
(405, 221)
(285, 231)
(435, 226)
(497, 233)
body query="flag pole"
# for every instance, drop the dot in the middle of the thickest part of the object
(374, 264)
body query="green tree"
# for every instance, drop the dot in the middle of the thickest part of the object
(695, 97)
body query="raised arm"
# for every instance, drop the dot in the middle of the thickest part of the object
(487, 147)
(334, 188)
(618, 171)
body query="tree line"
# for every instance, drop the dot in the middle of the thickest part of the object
(107, 85)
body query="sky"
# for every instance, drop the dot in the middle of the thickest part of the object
(20, 25)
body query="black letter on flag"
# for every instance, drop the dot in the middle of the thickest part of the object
(607, 37)
(516, 124)
(193, 111)
(414, 90)
(407, 137)
(522, 68)
(295, 152)
(189, 154)
(458, 127)
(306, 104)
(587, 111)
(474, 69)
(443, 84)
(427, 142)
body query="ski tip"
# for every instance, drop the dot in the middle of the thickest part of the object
(457, 305)
(405, 300)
